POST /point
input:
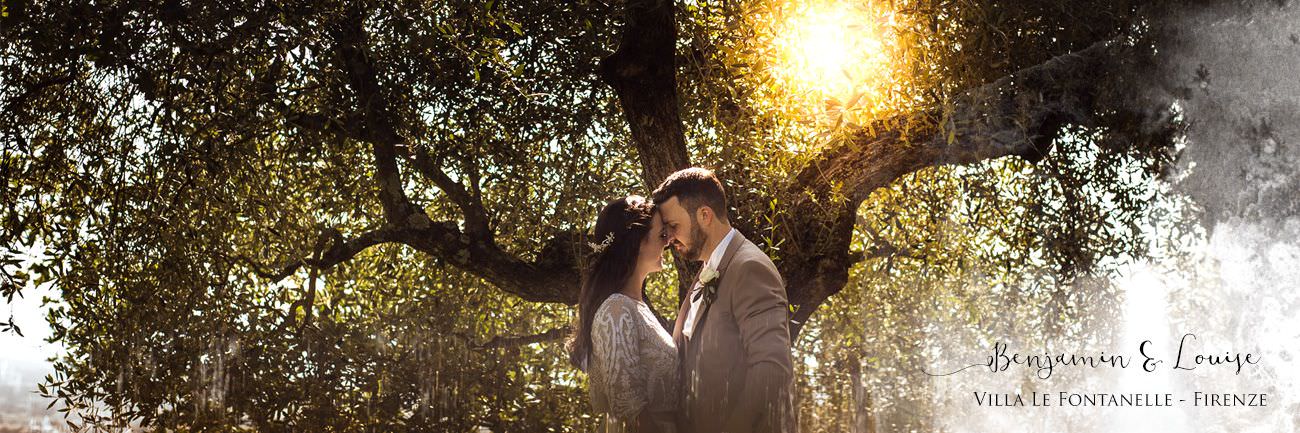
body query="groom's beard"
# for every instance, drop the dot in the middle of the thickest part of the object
(697, 242)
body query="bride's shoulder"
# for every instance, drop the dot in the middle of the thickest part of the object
(616, 316)
(616, 304)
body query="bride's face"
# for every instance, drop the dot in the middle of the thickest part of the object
(651, 256)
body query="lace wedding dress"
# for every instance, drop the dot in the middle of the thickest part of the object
(633, 366)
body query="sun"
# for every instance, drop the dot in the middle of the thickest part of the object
(833, 50)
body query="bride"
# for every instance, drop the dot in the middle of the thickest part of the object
(630, 359)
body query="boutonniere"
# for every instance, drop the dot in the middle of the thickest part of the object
(708, 285)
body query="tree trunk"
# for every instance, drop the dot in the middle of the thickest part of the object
(864, 417)
(643, 73)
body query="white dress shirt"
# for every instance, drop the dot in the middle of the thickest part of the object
(712, 263)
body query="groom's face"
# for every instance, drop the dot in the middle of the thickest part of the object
(684, 232)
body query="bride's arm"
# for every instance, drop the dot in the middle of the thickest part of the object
(615, 338)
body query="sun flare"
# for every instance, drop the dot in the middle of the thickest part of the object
(834, 51)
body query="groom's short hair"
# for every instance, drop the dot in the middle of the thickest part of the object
(694, 187)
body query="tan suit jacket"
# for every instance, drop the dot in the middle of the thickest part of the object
(736, 368)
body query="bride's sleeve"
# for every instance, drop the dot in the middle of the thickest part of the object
(615, 339)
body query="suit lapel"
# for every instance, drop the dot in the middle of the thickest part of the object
(727, 255)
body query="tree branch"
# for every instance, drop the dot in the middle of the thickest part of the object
(471, 205)
(31, 90)
(326, 255)
(500, 342)
(276, 275)
(378, 125)
(1017, 115)
(553, 277)
(801, 315)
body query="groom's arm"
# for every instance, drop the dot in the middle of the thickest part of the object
(762, 315)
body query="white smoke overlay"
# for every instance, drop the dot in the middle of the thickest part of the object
(1236, 71)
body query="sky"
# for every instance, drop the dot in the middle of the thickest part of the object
(23, 364)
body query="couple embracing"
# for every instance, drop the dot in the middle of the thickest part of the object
(726, 365)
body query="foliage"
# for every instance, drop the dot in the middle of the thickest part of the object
(163, 159)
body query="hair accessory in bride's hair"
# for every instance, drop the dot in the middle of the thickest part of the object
(597, 248)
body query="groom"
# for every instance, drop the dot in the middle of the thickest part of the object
(732, 329)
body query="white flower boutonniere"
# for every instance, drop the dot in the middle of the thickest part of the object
(707, 275)
(708, 285)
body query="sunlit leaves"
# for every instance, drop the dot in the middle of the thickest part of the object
(172, 153)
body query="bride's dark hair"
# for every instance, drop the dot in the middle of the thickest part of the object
(615, 245)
